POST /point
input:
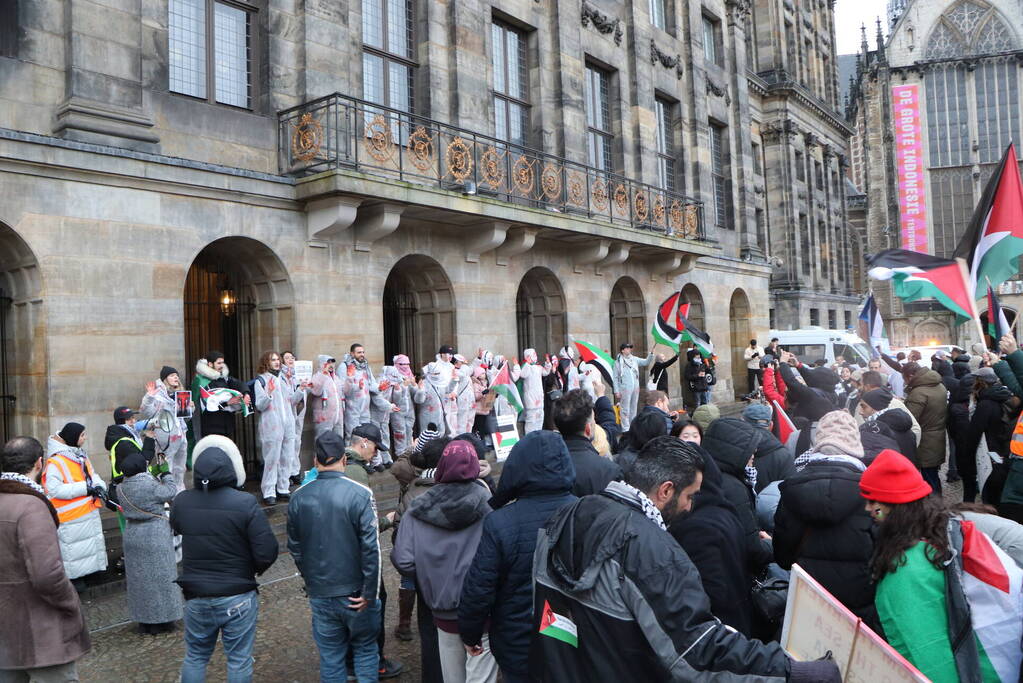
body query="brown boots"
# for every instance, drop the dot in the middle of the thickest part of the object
(406, 603)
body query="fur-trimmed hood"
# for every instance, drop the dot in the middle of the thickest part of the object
(10, 487)
(214, 468)
(202, 367)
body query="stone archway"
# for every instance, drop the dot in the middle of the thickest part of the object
(238, 300)
(741, 333)
(541, 316)
(24, 400)
(628, 316)
(419, 310)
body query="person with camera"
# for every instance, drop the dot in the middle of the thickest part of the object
(150, 565)
(77, 493)
(754, 375)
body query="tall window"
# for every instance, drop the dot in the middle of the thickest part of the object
(8, 28)
(387, 62)
(815, 316)
(598, 118)
(665, 144)
(832, 319)
(210, 50)
(712, 51)
(818, 173)
(805, 243)
(720, 164)
(800, 166)
(659, 14)
(997, 108)
(511, 88)
(758, 161)
(948, 132)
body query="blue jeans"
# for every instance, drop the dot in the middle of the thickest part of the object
(702, 398)
(234, 618)
(335, 628)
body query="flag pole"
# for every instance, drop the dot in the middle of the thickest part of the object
(973, 302)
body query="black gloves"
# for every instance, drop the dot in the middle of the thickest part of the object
(819, 671)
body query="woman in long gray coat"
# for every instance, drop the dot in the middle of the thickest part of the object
(154, 600)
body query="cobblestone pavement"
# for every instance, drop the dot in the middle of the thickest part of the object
(284, 649)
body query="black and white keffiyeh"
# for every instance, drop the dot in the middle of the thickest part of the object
(22, 479)
(620, 488)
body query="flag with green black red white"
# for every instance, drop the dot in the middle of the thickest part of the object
(594, 356)
(504, 387)
(997, 324)
(664, 330)
(921, 276)
(557, 626)
(993, 241)
(699, 338)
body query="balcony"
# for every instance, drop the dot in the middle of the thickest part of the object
(340, 133)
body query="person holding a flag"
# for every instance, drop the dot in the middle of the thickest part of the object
(217, 417)
(626, 381)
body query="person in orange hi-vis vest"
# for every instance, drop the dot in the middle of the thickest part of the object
(77, 493)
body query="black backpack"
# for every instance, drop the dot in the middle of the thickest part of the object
(250, 389)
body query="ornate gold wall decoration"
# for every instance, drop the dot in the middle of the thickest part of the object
(420, 149)
(659, 210)
(307, 138)
(522, 175)
(459, 158)
(576, 188)
(550, 181)
(621, 197)
(692, 221)
(492, 167)
(378, 139)
(675, 215)
(640, 206)
(599, 192)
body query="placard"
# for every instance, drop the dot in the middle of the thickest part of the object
(505, 436)
(815, 622)
(183, 401)
(303, 371)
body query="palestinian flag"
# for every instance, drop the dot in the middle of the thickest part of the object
(557, 626)
(216, 399)
(594, 356)
(784, 428)
(997, 325)
(503, 385)
(993, 242)
(505, 437)
(680, 313)
(921, 276)
(664, 330)
(993, 585)
(699, 338)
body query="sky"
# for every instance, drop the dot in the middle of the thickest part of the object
(849, 15)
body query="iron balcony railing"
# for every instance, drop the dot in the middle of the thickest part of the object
(337, 131)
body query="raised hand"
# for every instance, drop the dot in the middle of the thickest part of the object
(151, 388)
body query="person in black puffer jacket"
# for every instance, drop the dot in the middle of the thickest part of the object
(712, 537)
(958, 427)
(990, 395)
(226, 541)
(821, 524)
(538, 478)
(772, 459)
(944, 368)
(813, 399)
(731, 442)
(894, 424)
(961, 365)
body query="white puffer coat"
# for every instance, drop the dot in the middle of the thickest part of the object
(81, 541)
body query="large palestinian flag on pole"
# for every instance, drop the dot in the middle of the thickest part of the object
(997, 324)
(664, 330)
(503, 385)
(922, 276)
(871, 324)
(594, 356)
(993, 242)
(699, 338)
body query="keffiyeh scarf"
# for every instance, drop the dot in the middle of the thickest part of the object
(22, 479)
(623, 490)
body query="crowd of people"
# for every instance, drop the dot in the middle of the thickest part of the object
(627, 541)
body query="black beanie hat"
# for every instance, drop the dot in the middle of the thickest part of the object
(878, 399)
(166, 371)
(71, 433)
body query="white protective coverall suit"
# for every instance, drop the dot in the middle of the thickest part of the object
(275, 401)
(328, 399)
(465, 399)
(173, 444)
(532, 389)
(359, 384)
(403, 389)
(301, 403)
(626, 379)
(380, 409)
(433, 399)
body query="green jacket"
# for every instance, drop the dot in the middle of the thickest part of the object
(1010, 371)
(927, 400)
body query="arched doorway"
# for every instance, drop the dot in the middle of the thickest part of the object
(739, 319)
(419, 310)
(238, 299)
(23, 377)
(691, 295)
(628, 316)
(1010, 317)
(541, 320)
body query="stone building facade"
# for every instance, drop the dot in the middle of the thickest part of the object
(964, 57)
(181, 175)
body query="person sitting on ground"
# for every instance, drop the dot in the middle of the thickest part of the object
(538, 479)
(575, 416)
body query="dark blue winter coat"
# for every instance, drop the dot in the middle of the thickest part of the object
(536, 481)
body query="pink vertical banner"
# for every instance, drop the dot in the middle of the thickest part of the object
(909, 165)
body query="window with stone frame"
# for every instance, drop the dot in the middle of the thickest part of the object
(721, 175)
(832, 319)
(815, 317)
(818, 174)
(388, 64)
(211, 50)
(599, 134)
(848, 320)
(800, 166)
(805, 246)
(661, 14)
(824, 255)
(713, 51)
(511, 83)
(951, 207)
(758, 161)
(9, 28)
(667, 150)
(996, 87)
(948, 130)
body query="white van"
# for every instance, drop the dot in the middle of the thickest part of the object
(813, 343)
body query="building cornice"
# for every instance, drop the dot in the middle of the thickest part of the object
(779, 82)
